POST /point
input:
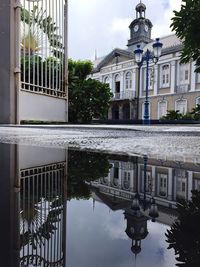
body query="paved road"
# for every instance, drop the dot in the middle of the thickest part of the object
(164, 142)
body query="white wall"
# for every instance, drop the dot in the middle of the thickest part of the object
(30, 156)
(41, 107)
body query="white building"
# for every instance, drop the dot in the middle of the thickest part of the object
(172, 86)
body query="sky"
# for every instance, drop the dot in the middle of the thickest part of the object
(103, 25)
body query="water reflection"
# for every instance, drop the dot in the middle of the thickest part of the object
(107, 208)
(84, 167)
(41, 215)
(149, 189)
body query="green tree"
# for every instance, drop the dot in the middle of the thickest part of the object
(196, 112)
(35, 20)
(172, 115)
(184, 235)
(88, 98)
(187, 27)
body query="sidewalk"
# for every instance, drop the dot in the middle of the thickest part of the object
(147, 128)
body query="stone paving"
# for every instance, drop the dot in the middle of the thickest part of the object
(167, 142)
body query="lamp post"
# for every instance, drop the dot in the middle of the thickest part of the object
(148, 56)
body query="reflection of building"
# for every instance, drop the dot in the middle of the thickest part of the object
(172, 86)
(145, 189)
(165, 181)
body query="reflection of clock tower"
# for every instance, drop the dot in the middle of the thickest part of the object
(140, 29)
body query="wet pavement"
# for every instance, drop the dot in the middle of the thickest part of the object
(170, 142)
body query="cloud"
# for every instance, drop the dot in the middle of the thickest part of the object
(103, 25)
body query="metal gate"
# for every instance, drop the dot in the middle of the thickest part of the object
(43, 47)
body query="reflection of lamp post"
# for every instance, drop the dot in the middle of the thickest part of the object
(140, 59)
(146, 204)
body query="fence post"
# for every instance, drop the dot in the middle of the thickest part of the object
(8, 105)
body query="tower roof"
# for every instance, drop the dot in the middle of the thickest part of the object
(140, 7)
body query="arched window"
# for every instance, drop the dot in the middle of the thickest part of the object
(198, 77)
(197, 101)
(128, 80)
(117, 83)
(181, 105)
(106, 80)
(165, 75)
(162, 109)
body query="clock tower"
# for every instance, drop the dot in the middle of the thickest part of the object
(140, 28)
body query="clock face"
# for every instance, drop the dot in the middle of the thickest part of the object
(146, 28)
(136, 28)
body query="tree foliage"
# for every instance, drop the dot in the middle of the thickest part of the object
(176, 115)
(88, 98)
(38, 19)
(184, 235)
(187, 27)
(34, 69)
(85, 166)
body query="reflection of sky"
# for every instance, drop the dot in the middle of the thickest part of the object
(97, 238)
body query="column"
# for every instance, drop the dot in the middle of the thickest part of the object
(141, 79)
(156, 80)
(173, 76)
(134, 84)
(170, 183)
(193, 77)
(132, 111)
(120, 177)
(110, 113)
(120, 112)
(110, 176)
(121, 84)
(132, 180)
(9, 50)
(153, 181)
(111, 82)
(190, 184)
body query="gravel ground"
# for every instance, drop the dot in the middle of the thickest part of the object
(172, 143)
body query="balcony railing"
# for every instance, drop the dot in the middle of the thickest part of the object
(183, 88)
(128, 94)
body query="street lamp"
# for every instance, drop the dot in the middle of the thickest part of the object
(140, 58)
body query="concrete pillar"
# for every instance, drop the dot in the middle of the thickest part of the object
(111, 83)
(156, 80)
(153, 181)
(110, 113)
(173, 76)
(9, 57)
(141, 79)
(121, 84)
(132, 111)
(190, 184)
(193, 77)
(121, 112)
(121, 174)
(134, 83)
(9, 208)
(170, 184)
(132, 176)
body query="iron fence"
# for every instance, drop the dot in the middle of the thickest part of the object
(43, 47)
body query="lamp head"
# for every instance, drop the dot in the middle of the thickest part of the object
(138, 54)
(157, 48)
